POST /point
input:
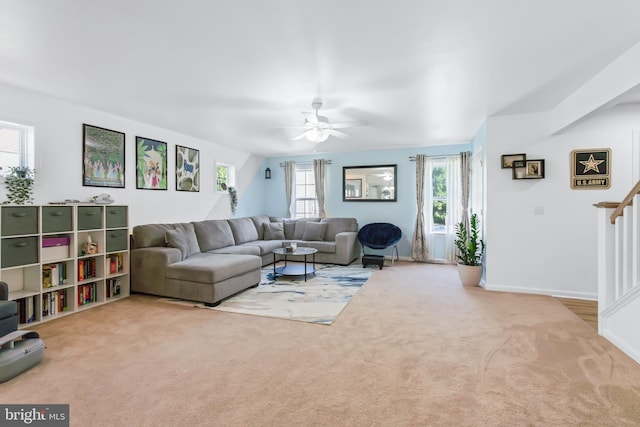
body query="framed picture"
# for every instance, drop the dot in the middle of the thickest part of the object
(508, 159)
(151, 164)
(534, 169)
(353, 188)
(102, 157)
(591, 169)
(187, 169)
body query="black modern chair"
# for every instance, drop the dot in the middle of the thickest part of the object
(379, 235)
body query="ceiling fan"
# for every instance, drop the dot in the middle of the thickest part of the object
(318, 128)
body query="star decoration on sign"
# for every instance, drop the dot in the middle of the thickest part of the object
(591, 164)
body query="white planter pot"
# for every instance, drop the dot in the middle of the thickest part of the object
(470, 275)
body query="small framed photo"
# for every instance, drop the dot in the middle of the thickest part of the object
(151, 164)
(508, 159)
(534, 169)
(187, 169)
(102, 157)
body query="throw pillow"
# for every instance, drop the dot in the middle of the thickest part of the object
(314, 231)
(273, 231)
(176, 239)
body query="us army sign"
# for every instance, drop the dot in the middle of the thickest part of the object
(591, 169)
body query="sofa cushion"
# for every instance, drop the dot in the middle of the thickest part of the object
(273, 231)
(210, 268)
(339, 225)
(264, 246)
(243, 249)
(150, 235)
(189, 233)
(244, 230)
(300, 227)
(176, 239)
(213, 234)
(289, 226)
(314, 231)
(326, 247)
(258, 222)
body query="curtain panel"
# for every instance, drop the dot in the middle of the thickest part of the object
(320, 176)
(419, 249)
(289, 177)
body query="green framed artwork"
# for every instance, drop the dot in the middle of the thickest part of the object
(102, 157)
(151, 164)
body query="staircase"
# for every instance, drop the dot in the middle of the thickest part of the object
(619, 272)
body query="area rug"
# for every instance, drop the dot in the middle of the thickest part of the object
(318, 300)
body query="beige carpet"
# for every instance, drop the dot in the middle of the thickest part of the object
(412, 348)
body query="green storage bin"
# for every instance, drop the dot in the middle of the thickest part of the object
(116, 240)
(19, 251)
(116, 216)
(56, 219)
(19, 220)
(89, 217)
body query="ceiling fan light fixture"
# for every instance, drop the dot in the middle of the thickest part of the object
(317, 135)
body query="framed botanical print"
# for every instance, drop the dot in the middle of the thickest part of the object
(151, 164)
(187, 169)
(103, 157)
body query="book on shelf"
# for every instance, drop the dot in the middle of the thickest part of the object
(54, 274)
(26, 309)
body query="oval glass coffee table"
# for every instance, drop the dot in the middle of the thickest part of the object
(295, 269)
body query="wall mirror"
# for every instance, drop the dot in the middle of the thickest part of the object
(376, 183)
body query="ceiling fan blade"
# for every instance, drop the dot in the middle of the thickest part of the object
(341, 125)
(338, 134)
(311, 117)
(295, 138)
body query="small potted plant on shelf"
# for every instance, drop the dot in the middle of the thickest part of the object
(470, 251)
(19, 182)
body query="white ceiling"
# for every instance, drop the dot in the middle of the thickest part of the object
(421, 72)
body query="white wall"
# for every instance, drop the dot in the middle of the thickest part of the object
(58, 143)
(555, 252)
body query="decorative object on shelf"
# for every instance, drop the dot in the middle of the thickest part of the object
(470, 251)
(19, 183)
(267, 173)
(591, 169)
(528, 169)
(151, 164)
(89, 247)
(187, 169)
(233, 199)
(103, 157)
(508, 159)
(102, 199)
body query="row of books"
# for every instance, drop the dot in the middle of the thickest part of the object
(54, 302)
(116, 263)
(54, 274)
(87, 293)
(113, 288)
(27, 309)
(86, 269)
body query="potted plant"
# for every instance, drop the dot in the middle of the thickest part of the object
(470, 251)
(233, 199)
(19, 182)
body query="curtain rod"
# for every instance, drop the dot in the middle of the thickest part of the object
(413, 158)
(304, 163)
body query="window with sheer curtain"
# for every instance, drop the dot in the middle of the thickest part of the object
(442, 206)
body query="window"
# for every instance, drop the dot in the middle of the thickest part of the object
(16, 146)
(225, 177)
(439, 187)
(305, 195)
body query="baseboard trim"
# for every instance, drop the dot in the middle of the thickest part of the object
(540, 291)
(621, 302)
(621, 344)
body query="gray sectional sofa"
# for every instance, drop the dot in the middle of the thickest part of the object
(210, 260)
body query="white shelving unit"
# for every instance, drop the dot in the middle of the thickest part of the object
(50, 270)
